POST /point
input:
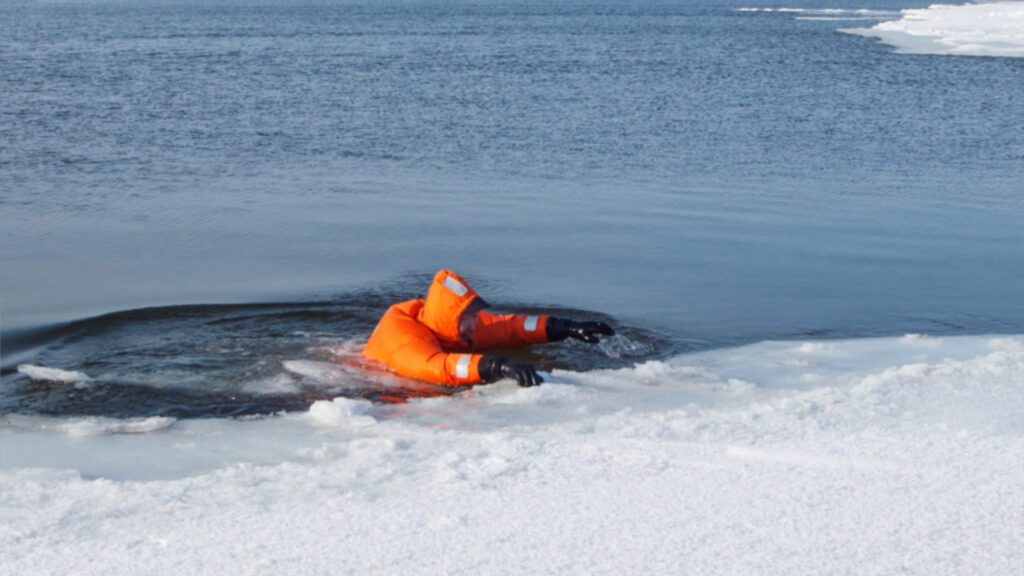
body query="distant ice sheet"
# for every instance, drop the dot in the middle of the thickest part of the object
(835, 13)
(989, 29)
(982, 29)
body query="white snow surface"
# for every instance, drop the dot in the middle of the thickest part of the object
(869, 456)
(983, 29)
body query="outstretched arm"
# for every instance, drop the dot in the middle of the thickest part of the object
(514, 331)
(508, 331)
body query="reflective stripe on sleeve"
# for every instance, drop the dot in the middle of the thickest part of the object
(530, 324)
(455, 286)
(462, 366)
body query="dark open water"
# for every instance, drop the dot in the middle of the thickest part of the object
(705, 177)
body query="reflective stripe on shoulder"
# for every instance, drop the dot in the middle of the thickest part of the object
(530, 324)
(455, 286)
(462, 366)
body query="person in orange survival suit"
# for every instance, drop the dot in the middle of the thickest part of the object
(439, 339)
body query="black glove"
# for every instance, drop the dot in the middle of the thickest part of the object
(494, 368)
(562, 328)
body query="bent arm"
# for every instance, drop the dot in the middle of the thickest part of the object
(424, 360)
(409, 349)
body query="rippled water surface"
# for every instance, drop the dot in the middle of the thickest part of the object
(238, 360)
(703, 175)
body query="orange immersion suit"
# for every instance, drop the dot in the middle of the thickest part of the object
(420, 338)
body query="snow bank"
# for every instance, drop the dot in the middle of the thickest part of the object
(985, 29)
(895, 455)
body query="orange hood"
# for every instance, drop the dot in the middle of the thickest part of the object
(447, 299)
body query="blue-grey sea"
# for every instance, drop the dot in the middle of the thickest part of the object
(192, 189)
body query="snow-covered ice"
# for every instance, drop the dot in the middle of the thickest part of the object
(82, 426)
(870, 456)
(982, 29)
(52, 374)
